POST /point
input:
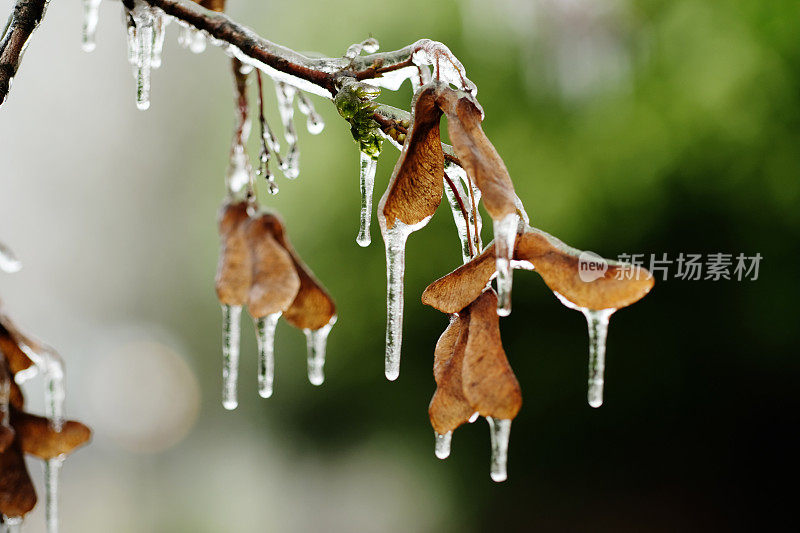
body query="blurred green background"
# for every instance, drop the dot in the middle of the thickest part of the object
(628, 127)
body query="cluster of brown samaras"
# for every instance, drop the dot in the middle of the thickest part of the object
(472, 374)
(22, 432)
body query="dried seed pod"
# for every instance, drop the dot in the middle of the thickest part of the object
(37, 437)
(558, 264)
(213, 5)
(476, 153)
(490, 385)
(17, 495)
(234, 270)
(416, 187)
(449, 407)
(9, 346)
(275, 282)
(312, 307)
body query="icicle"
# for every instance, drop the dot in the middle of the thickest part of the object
(314, 123)
(52, 470)
(238, 175)
(54, 392)
(316, 339)
(159, 33)
(499, 433)
(505, 234)
(140, 50)
(368, 166)
(458, 217)
(13, 524)
(230, 354)
(8, 260)
(474, 417)
(443, 444)
(193, 39)
(90, 9)
(286, 95)
(265, 330)
(395, 242)
(597, 321)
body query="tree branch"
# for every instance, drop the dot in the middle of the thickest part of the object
(24, 20)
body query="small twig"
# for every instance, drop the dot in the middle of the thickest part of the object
(463, 212)
(24, 19)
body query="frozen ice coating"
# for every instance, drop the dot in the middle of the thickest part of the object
(141, 21)
(231, 333)
(598, 330)
(8, 260)
(474, 417)
(160, 22)
(316, 341)
(52, 471)
(369, 46)
(291, 161)
(265, 331)
(192, 38)
(367, 168)
(90, 17)
(314, 122)
(443, 441)
(238, 174)
(505, 234)
(464, 233)
(597, 321)
(446, 67)
(54, 391)
(499, 433)
(13, 524)
(395, 241)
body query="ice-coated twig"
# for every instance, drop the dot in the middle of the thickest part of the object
(160, 22)
(24, 19)
(8, 260)
(240, 173)
(268, 142)
(316, 341)
(231, 334)
(455, 195)
(369, 46)
(265, 333)
(90, 16)
(367, 168)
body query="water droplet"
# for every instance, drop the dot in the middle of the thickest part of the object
(443, 444)
(8, 260)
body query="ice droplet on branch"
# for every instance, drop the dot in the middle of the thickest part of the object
(499, 433)
(265, 332)
(8, 260)
(314, 122)
(367, 167)
(160, 22)
(52, 471)
(90, 17)
(231, 334)
(505, 235)
(316, 341)
(597, 320)
(13, 524)
(286, 94)
(140, 49)
(442, 448)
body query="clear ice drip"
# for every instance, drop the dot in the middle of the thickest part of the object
(141, 22)
(466, 227)
(54, 391)
(499, 433)
(8, 260)
(505, 234)
(13, 524)
(193, 39)
(238, 174)
(597, 321)
(52, 471)
(286, 94)
(446, 67)
(160, 22)
(90, 17)
(395, 242)
(230, 354)
(265, 331)
(369, 46)
(316, 341)
(314, 122)
(443, 441)
(367, 169)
